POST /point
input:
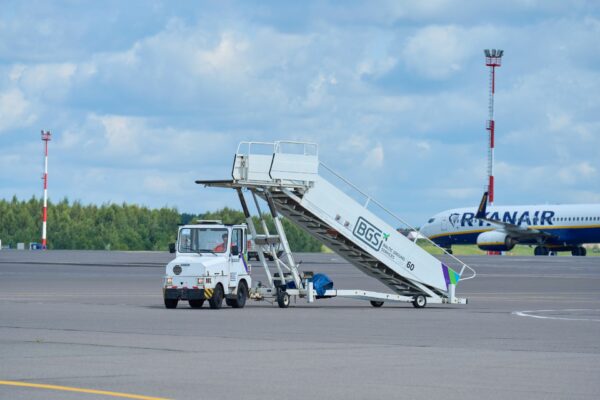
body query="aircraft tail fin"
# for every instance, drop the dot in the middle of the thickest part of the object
(482, 206)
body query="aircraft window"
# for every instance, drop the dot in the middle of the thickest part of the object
(431, 220)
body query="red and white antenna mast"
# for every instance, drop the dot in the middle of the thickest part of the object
(493, 59)
(45, 138)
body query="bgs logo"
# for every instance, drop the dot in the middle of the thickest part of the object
(368, 233)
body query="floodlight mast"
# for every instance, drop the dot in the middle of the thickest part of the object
(46, 136)
(493, 59)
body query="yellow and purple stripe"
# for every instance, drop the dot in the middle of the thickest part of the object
(245, 262)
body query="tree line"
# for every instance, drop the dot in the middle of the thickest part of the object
(75, 226)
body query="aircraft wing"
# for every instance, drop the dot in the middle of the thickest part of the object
(516, 231)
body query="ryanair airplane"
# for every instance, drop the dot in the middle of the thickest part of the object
(550, 228)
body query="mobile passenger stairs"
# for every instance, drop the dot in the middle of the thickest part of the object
(286, 176)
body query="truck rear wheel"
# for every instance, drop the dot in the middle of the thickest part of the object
(376, 304)
(242, 295)
(171, 303)
(196, 303)
(216, 301)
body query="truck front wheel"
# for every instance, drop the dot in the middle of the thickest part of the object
(171, 303)
(216, 301)
(242, 295)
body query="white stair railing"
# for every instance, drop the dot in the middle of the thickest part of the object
(370, 201)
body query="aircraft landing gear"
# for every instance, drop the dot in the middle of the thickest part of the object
(579, 251)
(541, 251)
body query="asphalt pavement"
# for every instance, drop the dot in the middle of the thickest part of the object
(95, 321)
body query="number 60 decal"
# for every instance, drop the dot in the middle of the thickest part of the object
(410, 266)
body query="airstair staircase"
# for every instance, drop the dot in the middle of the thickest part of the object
(292, 180)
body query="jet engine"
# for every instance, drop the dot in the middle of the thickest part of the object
(495, 241)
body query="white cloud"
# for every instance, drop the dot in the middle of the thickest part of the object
(165, 185)
(374, 157)
(435, 51)
(15, 110)
(123, 135)
(576, 173)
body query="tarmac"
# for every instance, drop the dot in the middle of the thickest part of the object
(92, 325)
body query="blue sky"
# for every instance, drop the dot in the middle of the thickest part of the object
(144, 97)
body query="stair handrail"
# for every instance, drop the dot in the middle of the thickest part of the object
(278, 148)
(382, 207)
(250, 143)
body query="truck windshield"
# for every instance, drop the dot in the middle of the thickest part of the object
(202, 240)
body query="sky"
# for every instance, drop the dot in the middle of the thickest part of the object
(144, 97)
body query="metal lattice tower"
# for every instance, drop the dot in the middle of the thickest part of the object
(493, 59)
(46, 136)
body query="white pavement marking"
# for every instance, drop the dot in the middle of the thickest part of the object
(534, 314)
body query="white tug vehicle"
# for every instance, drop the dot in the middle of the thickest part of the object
(210, 264)
(211, 260)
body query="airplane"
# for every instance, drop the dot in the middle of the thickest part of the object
(551, 228)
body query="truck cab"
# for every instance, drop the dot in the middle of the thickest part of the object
(210, 264)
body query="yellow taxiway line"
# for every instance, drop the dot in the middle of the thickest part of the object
(80, 390)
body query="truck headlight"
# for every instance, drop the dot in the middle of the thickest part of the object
(169, 281)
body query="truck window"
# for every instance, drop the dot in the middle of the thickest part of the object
(199, 240)
(237, 239)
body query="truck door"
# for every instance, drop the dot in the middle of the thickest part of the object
(236, 260)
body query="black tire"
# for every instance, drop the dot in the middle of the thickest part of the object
(449, 251)
(283, 299)
(229, 302)
(279, 254)
(579, 251)
(242, 295)
(270, 257)
(376, 304)
(196, 303)
(171, 303)
(216, 301)
(541, 251)
(583, 251)
(419, 301)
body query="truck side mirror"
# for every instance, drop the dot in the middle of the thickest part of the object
(171, 247)
(235, 251)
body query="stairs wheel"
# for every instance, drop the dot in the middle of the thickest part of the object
(376, 304)
(283, 299)
(419, 301)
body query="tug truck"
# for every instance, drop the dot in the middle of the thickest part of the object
(210, 264)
